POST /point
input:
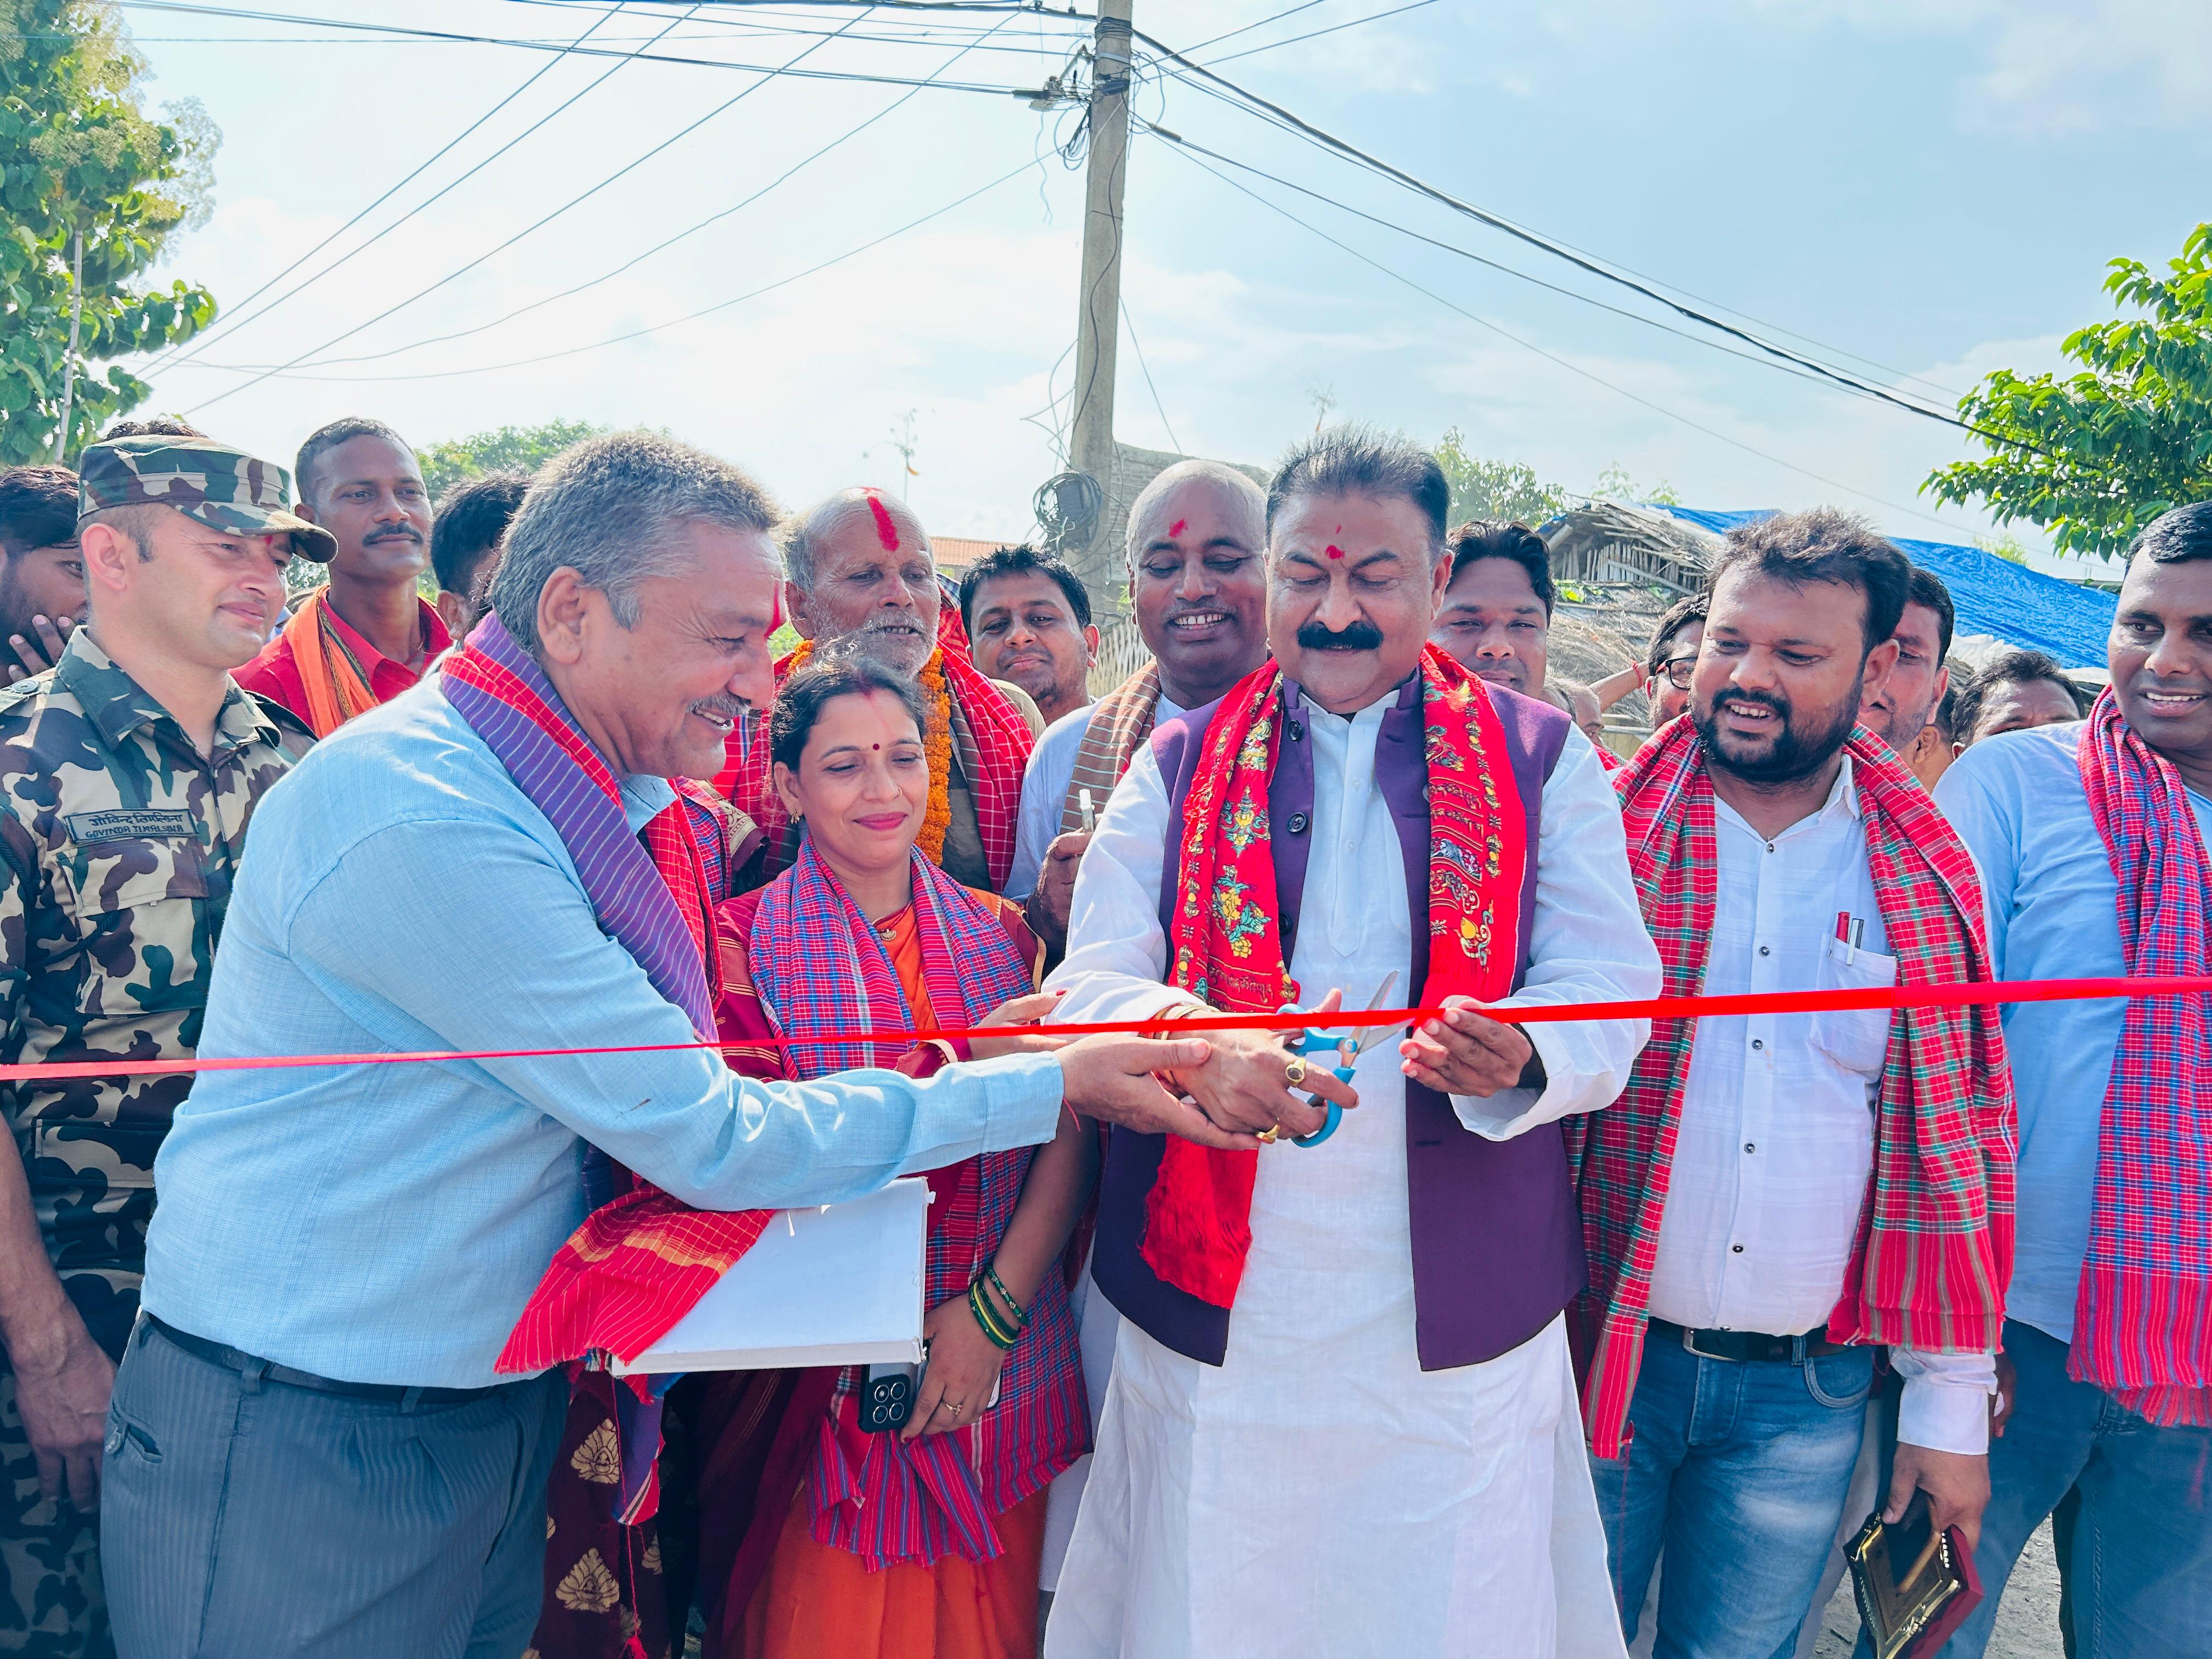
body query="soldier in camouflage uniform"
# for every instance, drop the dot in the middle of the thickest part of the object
(121, 823)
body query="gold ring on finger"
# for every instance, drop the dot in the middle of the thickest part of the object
(1266, 1136)
(1295, 1072)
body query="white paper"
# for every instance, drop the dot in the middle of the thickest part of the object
(839, 1286)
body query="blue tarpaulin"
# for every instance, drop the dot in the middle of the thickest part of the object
(1991, 595)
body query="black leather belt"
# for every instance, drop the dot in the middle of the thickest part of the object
(1746, 1346)
(252, 1365)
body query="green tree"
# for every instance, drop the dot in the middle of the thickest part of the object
(518, 448)
(1613, 484)
(2097, 454)
(1495, 490)
(91, 187)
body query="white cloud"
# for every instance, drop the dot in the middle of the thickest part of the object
(2051, 67)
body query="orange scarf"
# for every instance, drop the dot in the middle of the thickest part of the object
(336, 686)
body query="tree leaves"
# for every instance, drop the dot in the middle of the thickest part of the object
(2096, 455)
(82, 157)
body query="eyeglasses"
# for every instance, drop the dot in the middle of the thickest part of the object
(1678, 671)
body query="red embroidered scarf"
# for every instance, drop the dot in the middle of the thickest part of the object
(1225, 946)
(1935, 1251)
(2143, 1317)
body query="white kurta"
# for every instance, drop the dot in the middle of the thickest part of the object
(1318, 1493)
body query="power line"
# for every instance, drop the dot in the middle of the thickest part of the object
(1158, 408)
(1557, 249)
(1702, 341)
(240, 322)
(850, 133)
(262, 373)
(1371, 17)
(1554, 357)
(527, 230)
(587, 52)
(1247, 28)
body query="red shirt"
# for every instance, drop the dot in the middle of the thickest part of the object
(276, 676)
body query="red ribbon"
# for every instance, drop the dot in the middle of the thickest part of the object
(1750, 1002)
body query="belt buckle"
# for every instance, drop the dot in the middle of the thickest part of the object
(1690, 1343)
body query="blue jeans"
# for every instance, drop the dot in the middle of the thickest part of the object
(1739, 1471)
(2141, 1566)
(240, 1515)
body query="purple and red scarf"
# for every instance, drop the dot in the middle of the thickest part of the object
(2143, 1316)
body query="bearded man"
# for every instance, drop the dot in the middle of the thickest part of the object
(861, 577)
(1341, 1418)
(1777, 1194)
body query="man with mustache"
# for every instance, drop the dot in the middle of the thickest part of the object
(1342, 1415)
(2090, 836)
(367, 634)
(1902, 712)
(859, 571)
(1496, 615)
(1028, 622)
(1777, 1194)
(1198, 590)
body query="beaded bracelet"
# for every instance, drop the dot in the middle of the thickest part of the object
(988, 1318)
(1021, 1313)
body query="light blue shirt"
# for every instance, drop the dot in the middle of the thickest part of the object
(387, 1223)
(2016, 800)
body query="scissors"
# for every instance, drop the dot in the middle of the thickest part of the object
(1347, 1047)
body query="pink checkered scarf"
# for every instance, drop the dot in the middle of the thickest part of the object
(1935, 1247)
(818, 965)
(2143, 1317)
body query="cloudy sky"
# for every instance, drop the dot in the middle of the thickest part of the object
(1927, 189)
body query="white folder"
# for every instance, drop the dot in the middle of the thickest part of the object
(838, 1286)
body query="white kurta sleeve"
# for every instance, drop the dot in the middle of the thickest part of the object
(1588, 944)
(1116, 952)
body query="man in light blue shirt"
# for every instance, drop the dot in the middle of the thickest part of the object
(2140, 1555)
(310, 1452)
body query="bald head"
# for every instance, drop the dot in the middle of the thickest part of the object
(1240, 503)
(859, 565)
(1197, 578)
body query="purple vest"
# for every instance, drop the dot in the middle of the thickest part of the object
(1497, 1241)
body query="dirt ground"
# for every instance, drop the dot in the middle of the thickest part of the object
(2027, 1621)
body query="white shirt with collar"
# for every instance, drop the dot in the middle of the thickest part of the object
(1775, 1150)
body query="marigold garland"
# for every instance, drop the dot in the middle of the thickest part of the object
(936, 748)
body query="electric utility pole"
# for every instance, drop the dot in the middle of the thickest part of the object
(1098, 309)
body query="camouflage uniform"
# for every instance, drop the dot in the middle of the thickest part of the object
(118, 844)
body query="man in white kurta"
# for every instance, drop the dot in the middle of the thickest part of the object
(1318, 1493)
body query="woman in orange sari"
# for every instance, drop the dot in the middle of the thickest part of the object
(820, 1541)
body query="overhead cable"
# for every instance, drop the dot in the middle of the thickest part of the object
(534, 226)
(1571, 367)
(262, 372)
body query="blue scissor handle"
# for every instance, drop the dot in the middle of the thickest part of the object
(1311, 1042)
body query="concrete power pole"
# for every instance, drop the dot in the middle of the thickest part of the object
(1098, 309)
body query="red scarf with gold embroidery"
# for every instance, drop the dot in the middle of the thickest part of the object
(1224, 945)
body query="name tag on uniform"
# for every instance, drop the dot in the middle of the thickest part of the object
(129, 823)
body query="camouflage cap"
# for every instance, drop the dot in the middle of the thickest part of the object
(203, 479)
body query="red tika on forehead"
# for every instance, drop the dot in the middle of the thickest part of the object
(1334, 551)
(886, 531)
(1176, 529)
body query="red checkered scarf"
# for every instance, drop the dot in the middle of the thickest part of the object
(991, 737)
(818, 965)
(2142, 1318)
(1935, 1246)
(1226, 949)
